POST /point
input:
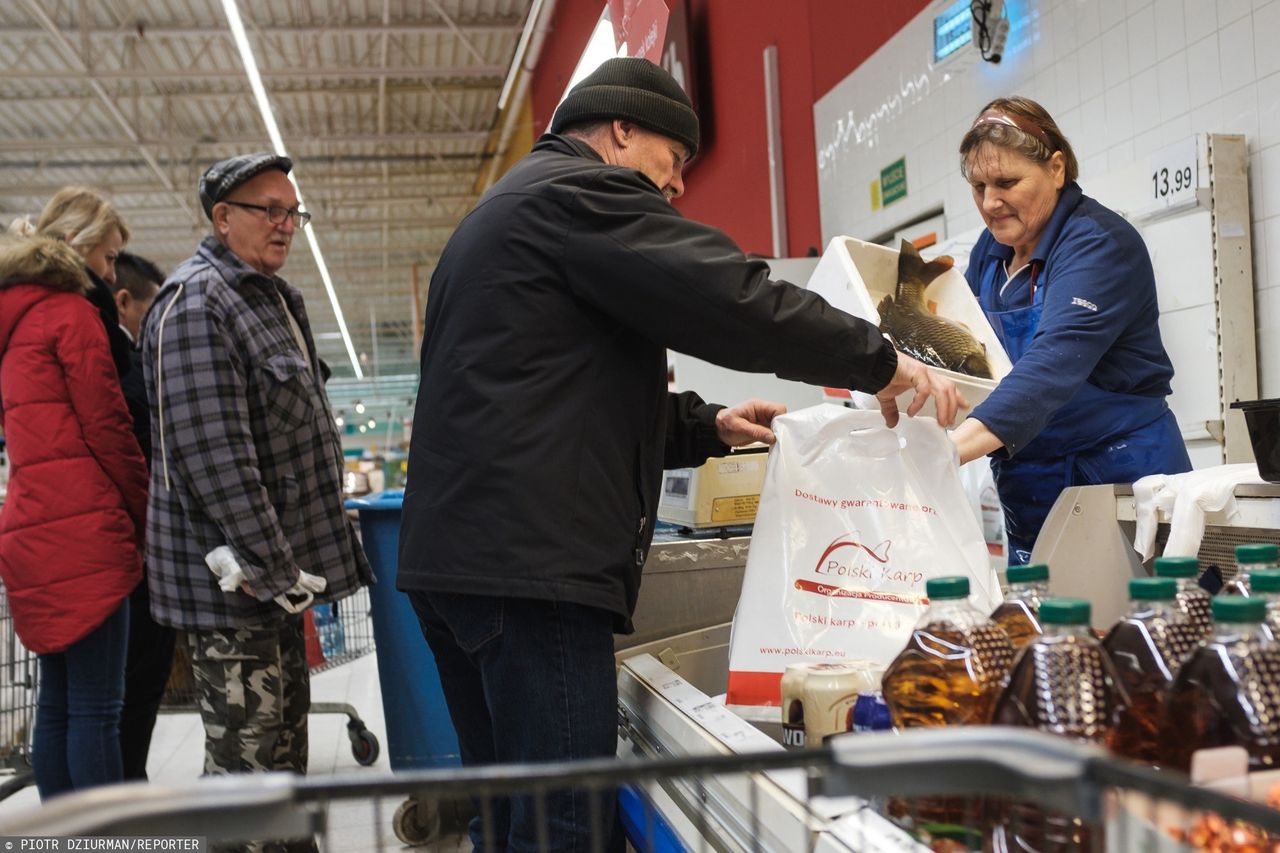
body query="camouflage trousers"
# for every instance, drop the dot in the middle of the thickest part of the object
(254, 692)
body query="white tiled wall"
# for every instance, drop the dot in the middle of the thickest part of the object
(1123, 78)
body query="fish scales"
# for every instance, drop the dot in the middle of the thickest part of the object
(917, 331)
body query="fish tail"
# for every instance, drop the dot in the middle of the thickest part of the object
(885, 308)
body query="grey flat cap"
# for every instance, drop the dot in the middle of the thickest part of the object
(225, 175)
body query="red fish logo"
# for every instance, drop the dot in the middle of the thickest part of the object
(846, 557)
(859, 570)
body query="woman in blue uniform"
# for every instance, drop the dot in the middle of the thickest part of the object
(1068, 288)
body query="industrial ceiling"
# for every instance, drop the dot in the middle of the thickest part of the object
(388, 107)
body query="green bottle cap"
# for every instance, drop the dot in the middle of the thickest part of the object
(1236, 608)
(1261, 552)
(1265, 580)
(1153, 589)
(1065, 611)
(1177, 567)
(1028, 574)
(949, 587)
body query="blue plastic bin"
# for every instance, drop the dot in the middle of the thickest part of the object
(419, 731)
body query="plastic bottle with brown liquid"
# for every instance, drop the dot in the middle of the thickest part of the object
(951, 670)
(1147, 647)
(1266, 585)
(1019, 613)
(1063, 683)
(1249, 559)
(1228, 691)
(1193, 600)
(949, 674)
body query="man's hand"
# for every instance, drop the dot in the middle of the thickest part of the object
(912, 374)
(748, 422)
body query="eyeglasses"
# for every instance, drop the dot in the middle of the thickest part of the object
(276, 215)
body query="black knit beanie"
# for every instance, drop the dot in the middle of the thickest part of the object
(636, 90)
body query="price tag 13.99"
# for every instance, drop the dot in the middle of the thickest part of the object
(1175, 173)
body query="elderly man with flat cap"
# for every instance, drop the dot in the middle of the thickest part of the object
(543, 420)
(245, 525)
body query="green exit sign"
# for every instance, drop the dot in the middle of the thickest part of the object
(893, 181)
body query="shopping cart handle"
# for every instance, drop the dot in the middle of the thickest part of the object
(264, 806)
(959, 761)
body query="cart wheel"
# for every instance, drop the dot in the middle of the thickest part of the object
(364, 746)
(416, 823)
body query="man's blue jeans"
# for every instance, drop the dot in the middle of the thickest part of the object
(77, 737)
(527, 682)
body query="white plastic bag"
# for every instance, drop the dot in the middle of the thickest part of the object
(980, 486)
(854, 517)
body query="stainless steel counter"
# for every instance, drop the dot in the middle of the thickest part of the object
(687, 584)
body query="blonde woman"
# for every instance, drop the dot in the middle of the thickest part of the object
(71, 528)
(89, 224)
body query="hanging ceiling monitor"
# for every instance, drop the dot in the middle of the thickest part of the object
(952, 30)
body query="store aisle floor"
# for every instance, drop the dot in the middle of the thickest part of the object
(177, 754)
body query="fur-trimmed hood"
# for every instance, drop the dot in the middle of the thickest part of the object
(41, 260)
(31, 271)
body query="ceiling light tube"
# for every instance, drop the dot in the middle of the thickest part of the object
(277, 143)
(518, 58)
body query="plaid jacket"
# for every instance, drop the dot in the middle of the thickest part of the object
(244, 450)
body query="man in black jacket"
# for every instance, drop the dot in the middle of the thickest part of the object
(543, 421)
(150, 654)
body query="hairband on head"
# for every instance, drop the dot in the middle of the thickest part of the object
(1025, 125)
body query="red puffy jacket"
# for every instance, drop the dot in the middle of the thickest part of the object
(71, 526)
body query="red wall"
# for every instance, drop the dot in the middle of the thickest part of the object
(819, 43)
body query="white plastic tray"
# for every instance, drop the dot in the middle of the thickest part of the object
(854, 276)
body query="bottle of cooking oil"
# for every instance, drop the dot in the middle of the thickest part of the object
(1018, 614)
(1228, 691)
(1249, 559)
(1266, 585)
(1192, 598)
(1147, 647)
(948, 675)
(951, 669)
(1063, 683)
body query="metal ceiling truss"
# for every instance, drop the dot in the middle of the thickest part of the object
(388, 107)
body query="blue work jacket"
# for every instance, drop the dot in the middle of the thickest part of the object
(1098, 324)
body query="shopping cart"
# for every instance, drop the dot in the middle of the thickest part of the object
(336, 633)
(18, 674)
(340, 632)
(831, 799)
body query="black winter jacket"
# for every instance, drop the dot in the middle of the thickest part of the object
(543, 420)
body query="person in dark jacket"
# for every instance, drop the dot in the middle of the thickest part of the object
(543, 420)
(150, 654)
(1069, 290)
(137, 281)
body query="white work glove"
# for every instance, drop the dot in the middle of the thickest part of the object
(304, 589)
(223, 563)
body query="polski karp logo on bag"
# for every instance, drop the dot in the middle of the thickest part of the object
(849, 569)
(853, 560)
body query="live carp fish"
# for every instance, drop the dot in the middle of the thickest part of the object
(921, 334)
